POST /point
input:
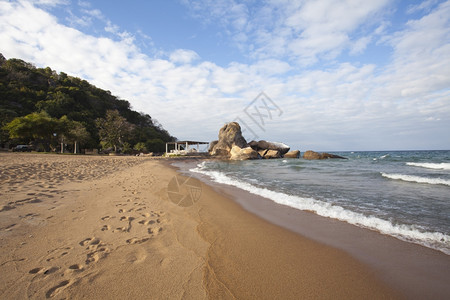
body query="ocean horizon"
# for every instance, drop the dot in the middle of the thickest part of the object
(404, 194)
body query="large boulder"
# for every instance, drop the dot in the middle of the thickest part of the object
(315, 155)
(292, 154)
(262, 152)
(311, 155)
(229, 135)
(212, 145)
(238, 153)
(265, 145)
(272, 154)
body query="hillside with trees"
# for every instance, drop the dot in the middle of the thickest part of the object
(46, 109)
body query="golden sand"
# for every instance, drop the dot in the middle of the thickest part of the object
(105, 228)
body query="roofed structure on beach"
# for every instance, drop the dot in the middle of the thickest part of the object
(184, 144)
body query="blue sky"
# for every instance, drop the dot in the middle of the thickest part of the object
(336, 75)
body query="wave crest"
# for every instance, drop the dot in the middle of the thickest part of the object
(417, 179)
(436, 166)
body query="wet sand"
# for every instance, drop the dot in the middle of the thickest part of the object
(108, 228)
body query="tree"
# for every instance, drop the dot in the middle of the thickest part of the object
(74, 132)
(140, 147)
(32, 126)
(78, 134)
(156, 145)
(113, 129)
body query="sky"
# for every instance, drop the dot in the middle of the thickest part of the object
(324, 75)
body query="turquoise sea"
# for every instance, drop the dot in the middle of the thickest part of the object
(405, 194)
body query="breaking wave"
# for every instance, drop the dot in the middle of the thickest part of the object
(417, 179)
(436, 166)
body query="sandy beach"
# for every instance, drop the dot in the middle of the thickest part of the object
(97, 227)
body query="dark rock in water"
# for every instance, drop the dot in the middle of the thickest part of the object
(292, 154)
(315, 155)
(238, 153)
(229, 135)
(265, 145)
(329, 155)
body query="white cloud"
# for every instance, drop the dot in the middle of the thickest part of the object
(360, 45)
(304, 31)
(425, 5)
(50, 3)
(342, 106)
(183, 56)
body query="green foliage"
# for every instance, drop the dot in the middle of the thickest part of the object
(156, 145)
(126, 148)
(73, 132)
(140, 147)
(33, 126)
(40, 98)
(113, 129)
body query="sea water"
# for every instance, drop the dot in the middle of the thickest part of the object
(405, 194)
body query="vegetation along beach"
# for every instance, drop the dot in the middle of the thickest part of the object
(228, 149)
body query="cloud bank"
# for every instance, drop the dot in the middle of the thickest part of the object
(343, 76)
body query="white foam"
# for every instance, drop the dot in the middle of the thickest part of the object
(436, 166)
(435, 240)
(418, 179)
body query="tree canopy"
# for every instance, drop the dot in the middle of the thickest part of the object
(113, 129)
(36, 103)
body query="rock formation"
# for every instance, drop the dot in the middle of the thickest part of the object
(269, 154)
(212, 145)
(315, 155)
(264, 145)
(232, 144)
(229, 135)
(238, 153)
(292, 154)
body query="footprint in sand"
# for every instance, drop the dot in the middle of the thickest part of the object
(57, 288)
(138, 255)
(58, 253)
(135, 240)
(51, 270)
(154, 230)
(76, 267)
(35, 270)
(96, 249)
(9, 227)
(85, 241)
(41, 270)
(120, 229)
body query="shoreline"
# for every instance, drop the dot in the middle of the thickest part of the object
(252, 258)
(104, 227)
(415, 270)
